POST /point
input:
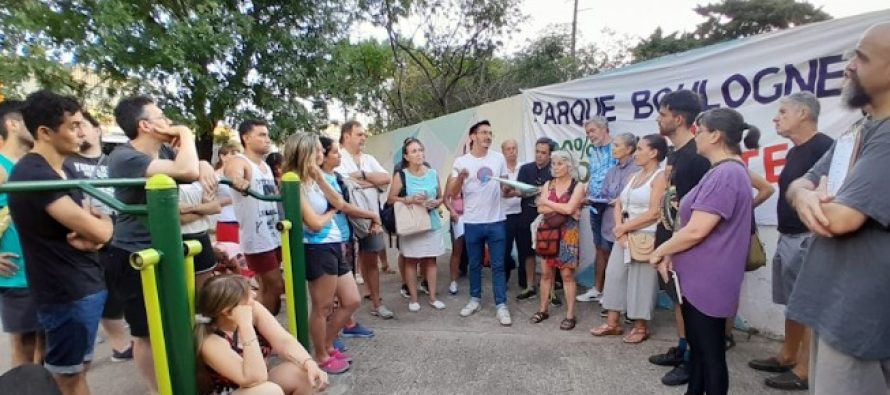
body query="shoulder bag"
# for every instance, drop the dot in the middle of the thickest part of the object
(640, 244)
(549, 231)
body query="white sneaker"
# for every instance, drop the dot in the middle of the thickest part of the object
(359, 279)
(504, 316)
(438, 305)
(413, 307)
(589, 296)
(382, 312)
(452, 288)
(470, 308)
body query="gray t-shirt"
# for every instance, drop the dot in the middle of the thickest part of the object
(844, 285)
(130, 232)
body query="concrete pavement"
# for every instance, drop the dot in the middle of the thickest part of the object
(439, 352)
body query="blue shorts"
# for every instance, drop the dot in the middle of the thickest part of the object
(596, 226)
(71, 332)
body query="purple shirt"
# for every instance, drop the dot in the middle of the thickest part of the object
(711, 272)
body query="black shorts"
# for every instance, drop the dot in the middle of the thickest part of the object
(205, 261)
(127, 284)
(18, 311)
(524, 237)
(325, 259)
(114, 304)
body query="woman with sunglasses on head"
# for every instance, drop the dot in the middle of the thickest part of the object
(329, 275)
(710, 249)
(421, 185)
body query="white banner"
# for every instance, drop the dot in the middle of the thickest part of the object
(749, 75)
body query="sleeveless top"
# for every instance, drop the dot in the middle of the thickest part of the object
(10, 242)
(340, 219)
(428, 184)
(570, 233)
(257, 218)
(330, 233)
(635, 201)
(221, 385)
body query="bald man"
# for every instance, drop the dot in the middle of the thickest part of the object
(844, 284)
(512, 208)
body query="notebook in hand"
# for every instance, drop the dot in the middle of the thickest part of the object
(672, 287)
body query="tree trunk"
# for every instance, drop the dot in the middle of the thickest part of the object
(204, 142)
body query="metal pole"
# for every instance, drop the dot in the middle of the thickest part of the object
(146, 262)
(166, 237)
(192, 248)
(287, 264)
(290, 193)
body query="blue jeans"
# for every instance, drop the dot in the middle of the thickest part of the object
(71, 332)
(476, 237)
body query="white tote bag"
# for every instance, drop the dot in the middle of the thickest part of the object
(411, 219)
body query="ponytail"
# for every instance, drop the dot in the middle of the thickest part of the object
(752, 138)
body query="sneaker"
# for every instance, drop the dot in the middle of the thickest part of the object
(470, 309)
(404, 292)
(788, 381)
(121, 356)
(590, 296)
(382, 312)
(340, 355)
(438, 305)
(339, 345)
(528, 293)
(424, 287)
(357, 331)
(672, 357)
(413, 307)
(359, 279)
(503, 315)
(555, 300)
(334, 366)
(677, 376)
(452, 288)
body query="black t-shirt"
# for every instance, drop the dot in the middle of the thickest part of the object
(57, 272)
(130, 232)
(798, 161)
(687, 169)
(83, 167)
(529, 173)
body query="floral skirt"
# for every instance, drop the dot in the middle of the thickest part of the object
(569, 246)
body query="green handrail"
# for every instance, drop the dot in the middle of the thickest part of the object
(90, 187)
(251, 192)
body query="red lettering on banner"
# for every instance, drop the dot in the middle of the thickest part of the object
(771, 163)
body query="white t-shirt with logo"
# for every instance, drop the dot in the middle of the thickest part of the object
(367, 163)
(483, 200)
(513, 205)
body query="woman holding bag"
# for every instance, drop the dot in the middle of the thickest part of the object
(423, 196)
(631, 285)
(560, 204)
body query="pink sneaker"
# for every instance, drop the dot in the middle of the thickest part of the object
(334, 366)
(335, 353)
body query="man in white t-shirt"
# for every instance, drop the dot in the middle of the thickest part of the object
(372, 178)
(484, 219)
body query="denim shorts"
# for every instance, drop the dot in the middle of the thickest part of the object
(71, 332)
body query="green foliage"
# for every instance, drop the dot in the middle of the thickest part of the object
(205, 60)
(730, 19)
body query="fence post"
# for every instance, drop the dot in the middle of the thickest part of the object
(290, 197)
(166, 237)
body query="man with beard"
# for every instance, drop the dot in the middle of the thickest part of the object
(841, 292)
(685, 168)
(91, 163)
(535, 173)
(18, 311)
(484, 219)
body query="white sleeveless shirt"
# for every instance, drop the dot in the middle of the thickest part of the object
(256, 218)
(635, 201)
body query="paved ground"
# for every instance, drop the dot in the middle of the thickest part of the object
(438, 352)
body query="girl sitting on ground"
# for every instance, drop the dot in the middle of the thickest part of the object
(234, 334)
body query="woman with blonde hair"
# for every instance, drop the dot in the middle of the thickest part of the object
(234, 334)
(560, 204)
(328, 273)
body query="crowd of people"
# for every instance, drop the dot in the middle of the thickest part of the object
(670, 211)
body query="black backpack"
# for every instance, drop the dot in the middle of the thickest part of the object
(388, 212)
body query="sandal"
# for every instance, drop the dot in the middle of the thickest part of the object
(606, 330)
(539, 316)
(568, 324)
(636, 336)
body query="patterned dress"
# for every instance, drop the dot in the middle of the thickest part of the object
(569, 234)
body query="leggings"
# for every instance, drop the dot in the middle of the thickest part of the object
(708, 373)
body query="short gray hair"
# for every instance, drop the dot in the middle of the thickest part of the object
(567, 158)
(628, 139)
(598, 121)
(805, 100)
